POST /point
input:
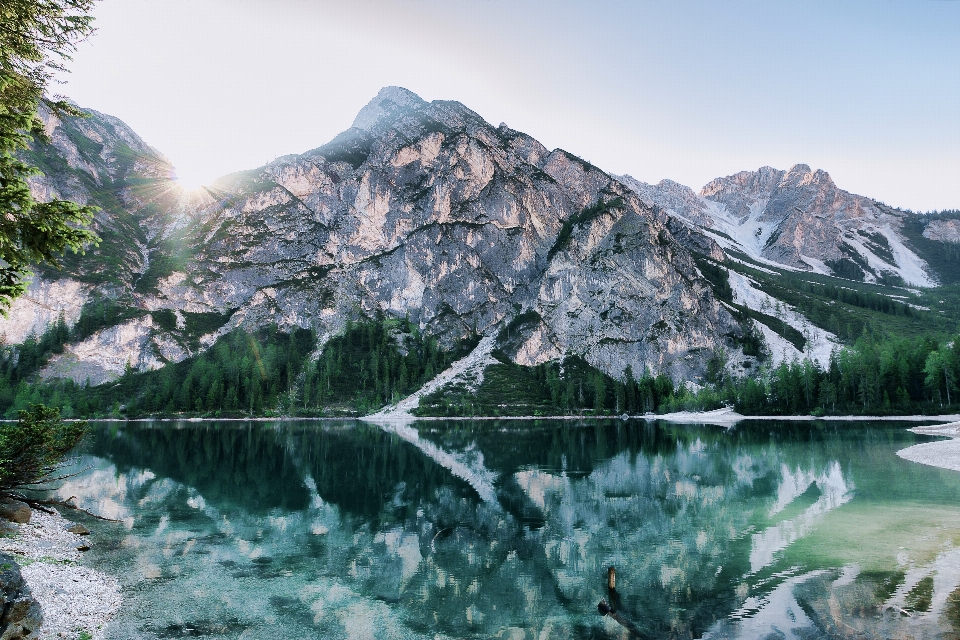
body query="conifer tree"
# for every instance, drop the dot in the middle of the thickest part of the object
(36, 37)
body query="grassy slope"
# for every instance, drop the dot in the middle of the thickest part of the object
(860, 307)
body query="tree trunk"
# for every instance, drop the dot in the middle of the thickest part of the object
(946, 383)
(613, 609)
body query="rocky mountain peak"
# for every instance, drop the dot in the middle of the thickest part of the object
(420, 210)
(387, 104)
(763, 179)
(798, 218)
(800, 175)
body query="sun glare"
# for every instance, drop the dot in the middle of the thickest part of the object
(189, 182)
(188, 185)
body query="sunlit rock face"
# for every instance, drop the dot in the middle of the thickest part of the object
(419, 209)
(943, 230)
(98, 160)
(42, 305)
(105, 355)
(427, 210)
(798, 218)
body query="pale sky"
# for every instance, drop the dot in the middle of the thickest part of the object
(687, 90)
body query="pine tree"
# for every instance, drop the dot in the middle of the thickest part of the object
(35, 36)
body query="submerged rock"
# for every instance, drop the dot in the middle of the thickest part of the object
(22, 616)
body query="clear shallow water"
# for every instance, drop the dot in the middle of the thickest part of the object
(506, 529)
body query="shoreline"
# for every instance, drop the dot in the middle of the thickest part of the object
(717, 416)
(76, 598)
(944, 454)
(72, 596)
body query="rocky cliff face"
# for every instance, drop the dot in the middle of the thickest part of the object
(943, 231)
(419, 209)
(99, 160)
(800, 219)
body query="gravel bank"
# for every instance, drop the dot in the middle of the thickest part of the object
(74, 598)
(943, 453)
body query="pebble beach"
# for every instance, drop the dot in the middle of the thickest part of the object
(942, 453)
(74, 598)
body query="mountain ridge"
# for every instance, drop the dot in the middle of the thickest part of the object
(424, 211)
(798, 219)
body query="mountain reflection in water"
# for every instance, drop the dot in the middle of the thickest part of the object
(505, 529)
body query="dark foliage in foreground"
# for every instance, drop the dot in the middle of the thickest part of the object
(32, 448)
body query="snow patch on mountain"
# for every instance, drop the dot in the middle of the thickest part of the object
(820, 344)
(797, 219)
(749, 234)
(910, 266)
(816, 265)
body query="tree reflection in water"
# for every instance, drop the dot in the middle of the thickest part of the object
(474, 529)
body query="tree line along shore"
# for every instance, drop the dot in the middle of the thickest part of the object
(373, 363)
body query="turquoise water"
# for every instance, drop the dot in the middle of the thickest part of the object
(322, 529)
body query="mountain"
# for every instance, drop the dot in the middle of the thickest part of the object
(419, 210)
(801, 220)
(829, 265)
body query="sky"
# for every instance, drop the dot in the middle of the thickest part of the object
(687, 90)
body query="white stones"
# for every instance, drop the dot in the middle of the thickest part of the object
(73, 597)
(942, 453)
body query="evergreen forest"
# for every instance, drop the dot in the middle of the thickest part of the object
(902, 357)
(266, 372)
(376, 362)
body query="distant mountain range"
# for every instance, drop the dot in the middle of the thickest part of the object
(797, 219)
(425, 211)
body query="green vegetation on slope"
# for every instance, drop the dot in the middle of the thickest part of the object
(942, 257)
(897, 341)
(242, 374)
(846, 308)
(34, 39)
(373, 364)
(20, 362)
(750, 342)
(893, 376)
(100, 313)
(267, 372)
(583, 217)
(571, 386)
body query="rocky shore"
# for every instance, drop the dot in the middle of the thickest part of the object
(75, 601)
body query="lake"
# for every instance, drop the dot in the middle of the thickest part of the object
(480, 529)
